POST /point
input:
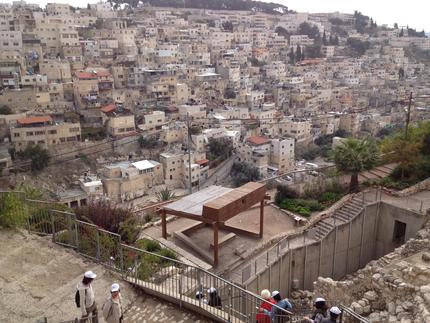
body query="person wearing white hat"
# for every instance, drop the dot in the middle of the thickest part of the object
(320, 312)
(277, 314)
(214, 299)
(201, 297)
(87, 301)
(112, 308)
(267, 305)
(334, 314)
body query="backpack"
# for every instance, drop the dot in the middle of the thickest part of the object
(107, 309)
(78, 298)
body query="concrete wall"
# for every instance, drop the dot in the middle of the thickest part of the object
(343, 251)
(389, 214)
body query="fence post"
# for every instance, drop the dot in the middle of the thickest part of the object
(180, 291)
(69, 227)
(199, 285)
(230, 304)
(52, 224)
(121, 259)
(98, 245)
(77, 234)
(135, 270)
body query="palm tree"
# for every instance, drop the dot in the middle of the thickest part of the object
(354, 156)
(165, 195)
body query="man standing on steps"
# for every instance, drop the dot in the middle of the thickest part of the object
(334, 314)
(86, 298)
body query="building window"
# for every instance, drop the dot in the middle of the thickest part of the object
(16, 134)
(52, 132)
(29, 133)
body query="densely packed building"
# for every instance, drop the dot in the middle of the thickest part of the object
(271, 84)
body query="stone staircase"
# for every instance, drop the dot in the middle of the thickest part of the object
(342, 215)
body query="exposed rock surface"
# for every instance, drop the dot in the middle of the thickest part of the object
(394, 288)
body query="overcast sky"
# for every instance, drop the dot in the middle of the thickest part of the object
(415, 13)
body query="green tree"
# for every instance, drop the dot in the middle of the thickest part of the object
(147, 142)
(358, 46)
(13, 212)
(292, 56)
(402, 33)
(399, 150)
(401, 73)
(165, 194)
(4, 109)
(309, 30)
(313, 51)
(396, 25)
(38, 155)
(229, 93)
(336, 40)
(324, 39)
(354, 156)
(298, 53)
(243, 173)
(219, 148)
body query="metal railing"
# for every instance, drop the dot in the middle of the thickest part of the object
(349, 316)
(154, 272)
(260, 262)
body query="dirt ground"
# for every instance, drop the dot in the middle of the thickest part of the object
(38, 280)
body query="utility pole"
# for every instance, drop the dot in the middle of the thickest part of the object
(408, 116)
(190, 190)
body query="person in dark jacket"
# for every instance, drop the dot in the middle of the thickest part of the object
(214, 299)
(334, 314)
(320, 311)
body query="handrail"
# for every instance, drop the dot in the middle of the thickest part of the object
(239, 304)
(350, 312)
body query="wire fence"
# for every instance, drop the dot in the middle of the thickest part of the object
(161, 275)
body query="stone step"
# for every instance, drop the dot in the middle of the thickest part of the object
(343, 217)
(379, 173)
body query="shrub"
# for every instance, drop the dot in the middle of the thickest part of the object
(300, 206)
(284, 192)
(148, 245)
(13, 212)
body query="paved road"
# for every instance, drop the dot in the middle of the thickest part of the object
(221, 174)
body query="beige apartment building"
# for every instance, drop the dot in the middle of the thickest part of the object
(19, 99)
(153, 122)
(176, 168)
(42, 130)
(127, 180)
(56, 70)
(255, 150)
(119, 122)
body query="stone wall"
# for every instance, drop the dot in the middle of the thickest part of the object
(394, 288)
(421, 186)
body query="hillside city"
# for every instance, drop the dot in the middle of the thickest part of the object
(134, 114)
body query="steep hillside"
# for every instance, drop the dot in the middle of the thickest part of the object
(246, 5)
